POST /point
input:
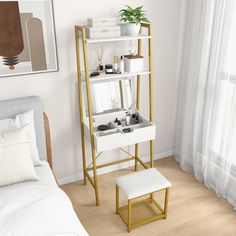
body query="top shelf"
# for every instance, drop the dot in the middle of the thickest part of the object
(121, 38)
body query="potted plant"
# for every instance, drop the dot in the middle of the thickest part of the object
(133, 17)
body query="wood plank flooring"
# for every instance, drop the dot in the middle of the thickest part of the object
(193, 209)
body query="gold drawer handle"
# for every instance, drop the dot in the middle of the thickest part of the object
(105, 30)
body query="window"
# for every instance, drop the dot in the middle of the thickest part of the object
(224, 140)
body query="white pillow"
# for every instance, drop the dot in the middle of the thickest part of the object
(19, 121)
(16, 164)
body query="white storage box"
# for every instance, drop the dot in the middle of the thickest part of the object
(102, 22)
(115, 138)
(133, 63)
(102, 32)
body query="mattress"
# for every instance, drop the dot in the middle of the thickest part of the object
(38, 208)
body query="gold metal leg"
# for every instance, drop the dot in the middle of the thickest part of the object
(80, 104)
(129, 215)
(117, 199)
(138, 107)
(138, 100)
(166, 202)
(90, 116)
(121, 94)
(150, 95)
(151, 115)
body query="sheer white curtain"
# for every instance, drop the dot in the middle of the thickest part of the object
(205, 140)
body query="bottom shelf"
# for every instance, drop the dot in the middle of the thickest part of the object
(140, 212)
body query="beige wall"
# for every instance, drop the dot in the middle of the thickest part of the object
(59, 92)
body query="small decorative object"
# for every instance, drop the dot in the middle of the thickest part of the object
(123, 122)
(127, 117)
(102, 127)
(133, 17)
(116, 120)
(133, 63)
(132, 51)
(27, 37)
(134, 119)
(127, 130)
(110, 125)
(93, 74)
(109, 69)
(99, 56)
(121, 65)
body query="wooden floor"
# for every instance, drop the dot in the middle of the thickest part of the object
(193, 209)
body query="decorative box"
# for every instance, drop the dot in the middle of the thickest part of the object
(133, 63)
(102, 32)
(102, 22)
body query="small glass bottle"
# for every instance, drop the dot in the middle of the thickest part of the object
(115, 66)
(122, 65)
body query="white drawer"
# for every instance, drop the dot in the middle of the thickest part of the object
(102, 22)
(115, 138)
(102, 32)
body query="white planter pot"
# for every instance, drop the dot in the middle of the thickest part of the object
(130, 29)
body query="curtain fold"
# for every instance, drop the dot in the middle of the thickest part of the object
(205, 139)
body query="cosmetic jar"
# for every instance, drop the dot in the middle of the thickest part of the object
(109, 69)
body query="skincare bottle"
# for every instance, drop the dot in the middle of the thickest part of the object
(121, 66)
(115, 66)
(127, 117)
(123, 122)
(119, 123)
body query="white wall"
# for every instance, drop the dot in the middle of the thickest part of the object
(59, 92)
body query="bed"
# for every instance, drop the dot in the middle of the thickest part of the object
(36, 208)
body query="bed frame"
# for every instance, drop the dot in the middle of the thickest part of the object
(48, 140)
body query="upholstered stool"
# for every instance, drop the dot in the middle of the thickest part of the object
(142, 184)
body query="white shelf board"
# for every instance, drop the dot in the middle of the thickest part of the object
(102, 78)
(121, 38)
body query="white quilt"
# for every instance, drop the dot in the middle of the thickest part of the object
(37, 210)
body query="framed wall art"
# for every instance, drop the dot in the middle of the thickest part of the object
(27, 37)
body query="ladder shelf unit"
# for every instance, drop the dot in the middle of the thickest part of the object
(144, 132)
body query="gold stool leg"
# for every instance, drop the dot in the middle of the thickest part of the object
(117, 199)
(166, 202)
(129, 215)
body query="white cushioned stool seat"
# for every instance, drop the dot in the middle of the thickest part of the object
(142, 182)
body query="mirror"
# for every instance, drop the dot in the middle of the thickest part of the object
(111, 96)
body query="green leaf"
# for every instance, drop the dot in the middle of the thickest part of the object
(133, 15)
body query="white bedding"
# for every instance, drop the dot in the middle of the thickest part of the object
(38, 208)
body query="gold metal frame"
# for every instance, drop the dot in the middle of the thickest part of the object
(94, 180)
(134, 202)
